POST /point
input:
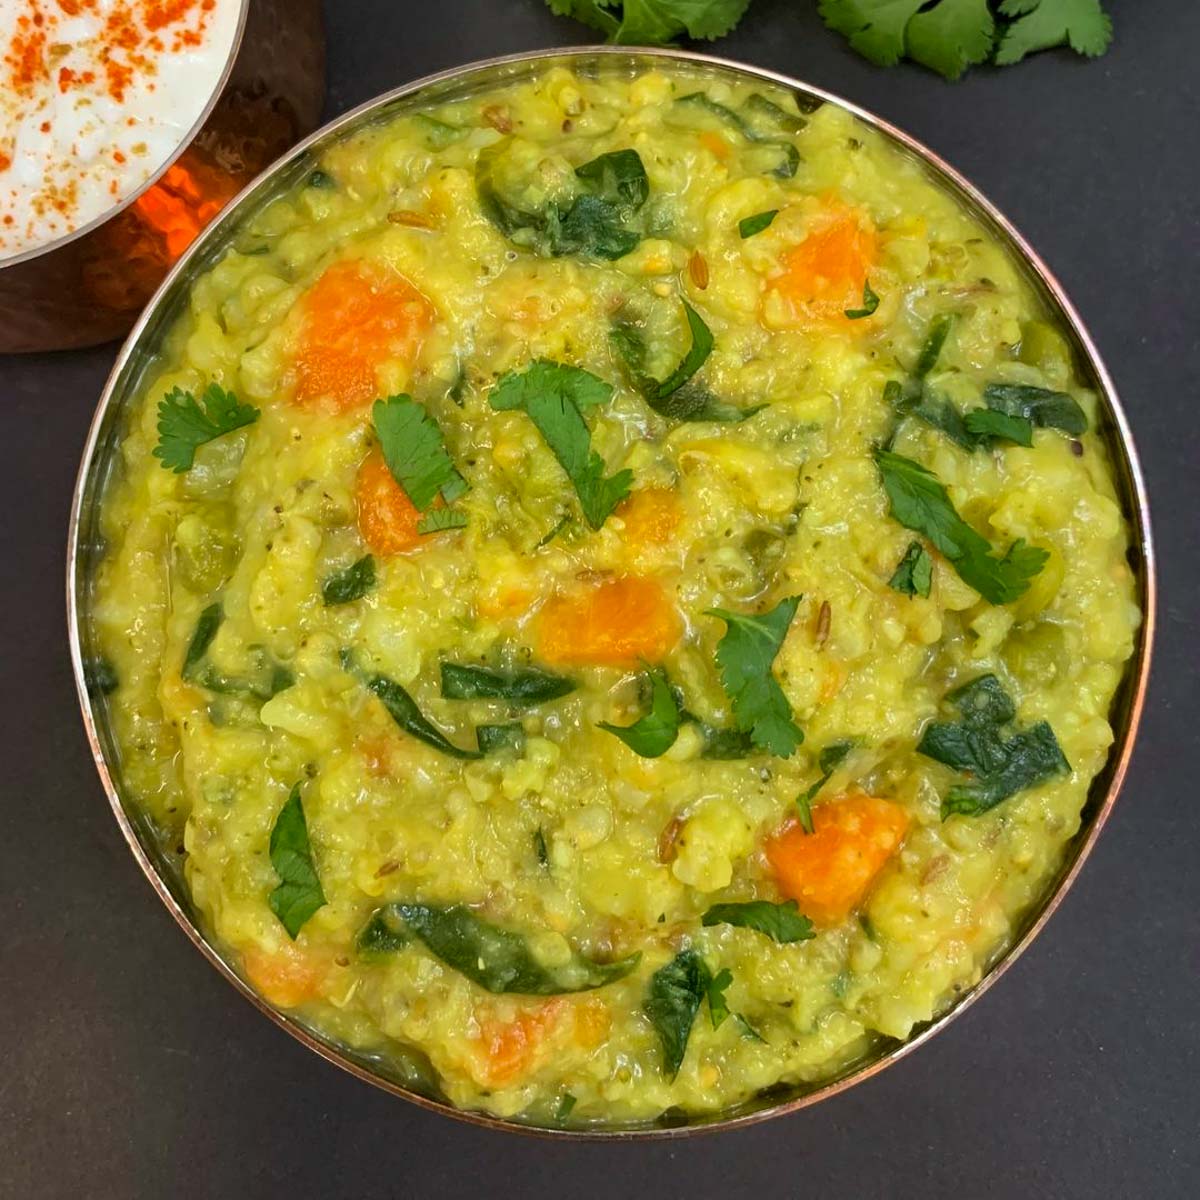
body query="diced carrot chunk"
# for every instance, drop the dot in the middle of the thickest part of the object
(824, 275)
(614, 623)
(715, 144)
(827, 872)
(510, 1048)
(651, 515)
(356, 317)
(387, 518)
(285, 979)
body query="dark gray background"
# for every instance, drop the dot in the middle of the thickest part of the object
(128, 1068)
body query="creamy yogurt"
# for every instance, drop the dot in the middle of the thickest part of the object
(95, 95)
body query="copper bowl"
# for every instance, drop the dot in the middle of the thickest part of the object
(89, 286)
(412, 1077)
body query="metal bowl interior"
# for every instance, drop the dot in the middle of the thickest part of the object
(413, 1077)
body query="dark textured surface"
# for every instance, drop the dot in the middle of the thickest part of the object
(129, 1069)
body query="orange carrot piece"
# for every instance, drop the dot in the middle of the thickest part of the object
(285, 979)
(715, 144)
(651, 516)
(827, 872)
(510, 1048)
(824, 275)
(613, 623)
(354, 318)
(387, 518)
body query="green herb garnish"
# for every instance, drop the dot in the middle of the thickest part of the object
(1039, 406)
(501, 739)
(499, 960)
(402, 708)
(529, 686)
(830, 758)
(987, 426)
(749, 226)
(745, 655)
(653, 734)
(439, 519)
(913, 575)
(718, 1007)
(935, 340)
(553, 396)
(783, 923)
(674, 997)
(380, 936)
(920, 503)
(415, 453)
(870, 302)
(999, 763)
(207, 625)
(654, 22)
(184, 425)
(350, 584)
(100, 676)
(299, 893)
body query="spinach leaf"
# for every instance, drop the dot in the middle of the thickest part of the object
(380, 936)
(920, 503)
(402, 708)
(672, 1002)
(553, 396)
(744, 656)
(350, 584)
(202, 637)
(935, 339)
(870, 302)
(783, 923)
(595, 223)
(986, 426)
(497, 959)
(749, 226)
(654, 734)
(1000, 764)
(299, 893)
(462, 681)
(100, 676)
(501, 739)
(914, 573)
(1041, 407)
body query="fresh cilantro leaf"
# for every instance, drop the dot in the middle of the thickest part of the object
(552, 395)
(999, 764)
(653, 734)
(914, 574)
(414, 451)
(749, 226)
(945, 35)
(1042, 24)
(465, 681)
(694, 359)
(1040, 406)
(920, 503)
(299, 893)
(439, 519)
(184, 426)
(672, 1001)
(987, 425)
(745, 655)
(782, 923)
(350, 584)
(870, 302)
(718, 1007)
(654, 22)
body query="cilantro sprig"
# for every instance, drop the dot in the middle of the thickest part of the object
(947, 36)
(415, 453)
(554, 396)
(920, 503)
(185, 424)
(745, 655)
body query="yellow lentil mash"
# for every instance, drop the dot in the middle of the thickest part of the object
(435, 254)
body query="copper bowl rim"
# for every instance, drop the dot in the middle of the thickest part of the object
(190, 136)
(1126, 466)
